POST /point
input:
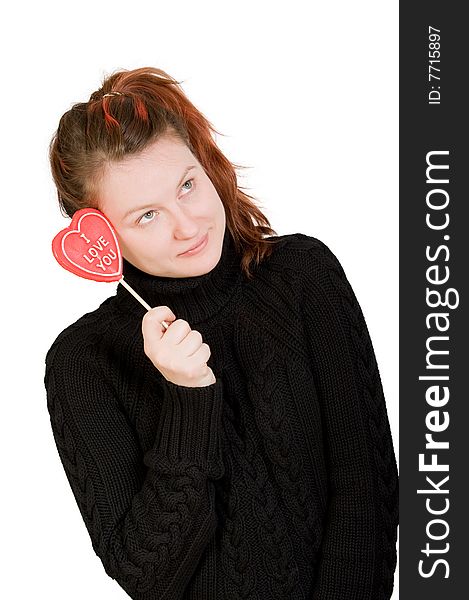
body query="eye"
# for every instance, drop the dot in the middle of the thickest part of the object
(147, 217)
(188, 181)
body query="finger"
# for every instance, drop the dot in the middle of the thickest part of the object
(177, 332)
(195, 366)
(201, 355)
(152, 321)
(191, 343)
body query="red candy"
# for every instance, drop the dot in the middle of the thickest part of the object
(88, 247)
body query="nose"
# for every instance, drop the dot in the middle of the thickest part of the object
(184, 225)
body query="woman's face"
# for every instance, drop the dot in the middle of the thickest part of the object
(160, 208)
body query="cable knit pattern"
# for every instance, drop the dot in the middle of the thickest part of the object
(278, 481)
(273, 424)
(270, 528)
(378, 425)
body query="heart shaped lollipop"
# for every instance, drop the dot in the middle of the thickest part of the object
(88, 247)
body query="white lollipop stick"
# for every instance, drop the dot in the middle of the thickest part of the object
(139, 298)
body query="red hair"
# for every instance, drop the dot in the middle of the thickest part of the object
(130, 111)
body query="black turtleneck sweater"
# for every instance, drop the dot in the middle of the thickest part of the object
(279, 480)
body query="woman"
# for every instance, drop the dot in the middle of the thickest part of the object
(244, 452)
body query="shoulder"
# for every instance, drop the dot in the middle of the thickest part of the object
(300, 280)
(312, 271)
(303, 254)
(325, 290)
(74, 343)
(300, 268)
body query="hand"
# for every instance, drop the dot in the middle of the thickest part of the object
(177, 352)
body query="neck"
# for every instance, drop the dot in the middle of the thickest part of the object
(193, 299)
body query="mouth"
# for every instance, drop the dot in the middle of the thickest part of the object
(197, 247)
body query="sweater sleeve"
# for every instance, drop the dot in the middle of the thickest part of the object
(358, 552)
(149, 516)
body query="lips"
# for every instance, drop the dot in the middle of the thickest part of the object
(196, 245)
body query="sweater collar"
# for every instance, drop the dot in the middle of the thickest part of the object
(193, 299)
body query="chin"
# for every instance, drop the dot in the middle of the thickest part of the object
(201, 268)
(202, 265)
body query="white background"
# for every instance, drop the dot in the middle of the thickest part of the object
(306, 95)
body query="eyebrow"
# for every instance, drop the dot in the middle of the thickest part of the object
(181, 181)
